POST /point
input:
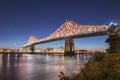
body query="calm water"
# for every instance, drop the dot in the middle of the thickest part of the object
(38, 67)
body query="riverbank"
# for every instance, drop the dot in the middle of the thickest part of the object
(100, 67)
(43, 53)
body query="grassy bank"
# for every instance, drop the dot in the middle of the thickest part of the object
(100, 67)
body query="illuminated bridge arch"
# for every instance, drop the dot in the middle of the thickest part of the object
(68, 31)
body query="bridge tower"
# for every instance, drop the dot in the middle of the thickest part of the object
(29, 49)
(69, 47)
(32, 48)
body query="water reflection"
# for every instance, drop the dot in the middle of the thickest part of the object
(39, 67)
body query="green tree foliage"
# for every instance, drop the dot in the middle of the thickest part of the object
(101, 67)
(113, 40)
(108, 68)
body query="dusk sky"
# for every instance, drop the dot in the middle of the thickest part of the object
(20, 19)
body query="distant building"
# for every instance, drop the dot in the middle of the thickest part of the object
(61, 49)
(89, 51)
(81, 51)
(39, 50)
(49, 49)
(5, 50)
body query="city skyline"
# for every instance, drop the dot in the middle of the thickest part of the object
(22, 19)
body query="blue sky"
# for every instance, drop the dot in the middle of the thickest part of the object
(20, 19)
(89, 43)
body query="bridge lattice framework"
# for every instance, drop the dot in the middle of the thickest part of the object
(68, 31)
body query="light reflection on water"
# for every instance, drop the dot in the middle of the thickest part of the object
(39, 67)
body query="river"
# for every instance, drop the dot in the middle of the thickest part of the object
(39, 66)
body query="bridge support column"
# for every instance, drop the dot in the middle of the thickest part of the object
(32, 48)
(28, 49)
(69, 47)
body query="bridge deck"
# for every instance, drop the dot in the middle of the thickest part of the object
(72, 30)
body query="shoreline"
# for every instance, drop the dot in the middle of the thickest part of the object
(44, 53)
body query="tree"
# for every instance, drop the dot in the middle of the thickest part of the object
(113, 39)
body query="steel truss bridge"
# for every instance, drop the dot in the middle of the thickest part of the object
(68, 31)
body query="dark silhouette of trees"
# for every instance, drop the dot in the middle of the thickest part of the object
(113, 39)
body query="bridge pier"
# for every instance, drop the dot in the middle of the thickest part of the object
(29, 49)
(69, 47)
(32, 48)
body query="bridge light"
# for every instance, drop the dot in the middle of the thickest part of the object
(69, 23)
(111, 23)
(115, 24)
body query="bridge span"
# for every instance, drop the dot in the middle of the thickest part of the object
(68, 31)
